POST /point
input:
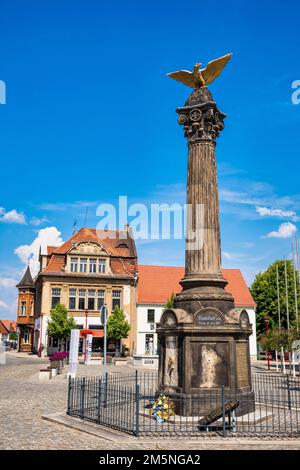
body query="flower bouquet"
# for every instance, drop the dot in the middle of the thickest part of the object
(162, 409)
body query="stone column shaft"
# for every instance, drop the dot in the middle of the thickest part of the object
(202, 193)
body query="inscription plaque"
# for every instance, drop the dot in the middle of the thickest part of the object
(242, 364)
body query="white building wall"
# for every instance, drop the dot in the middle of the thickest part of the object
(143, 328)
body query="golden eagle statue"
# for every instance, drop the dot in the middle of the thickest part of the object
(203, 77)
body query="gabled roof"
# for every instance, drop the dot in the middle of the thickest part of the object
(117, 243)
(9, 325)
(157, 283)
(109, 239)
(27, 280)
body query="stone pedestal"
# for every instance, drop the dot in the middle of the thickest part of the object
(204, 339)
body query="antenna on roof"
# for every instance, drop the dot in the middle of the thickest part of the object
(74, 227)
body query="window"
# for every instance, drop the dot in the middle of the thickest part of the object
(93, 265)
(102, 265)
(72, 299)
(26, 336)
(91, 299)
(23, 308)
(74, 265)
(81, 299)
(150, 315)
(31, 308)
(55, 297)
(116, 299)
(101, 297)
(83, 265)
(95, 327)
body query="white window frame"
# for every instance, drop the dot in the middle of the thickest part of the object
(58, 296)
(23, 308)
(74, 262)
(93, 265)
(73, 297)
(81, 297)
(83, 263)
(101, 265)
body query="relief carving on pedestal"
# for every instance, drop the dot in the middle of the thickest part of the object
(171, 361)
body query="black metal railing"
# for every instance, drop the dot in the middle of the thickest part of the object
(125, 402)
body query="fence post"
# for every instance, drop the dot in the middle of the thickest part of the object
(82, 398)
(105, 389)
(69, 396)
(137, 409)
(289, 392)
(223, 411)
(99, 398)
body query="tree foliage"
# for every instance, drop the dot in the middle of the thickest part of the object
(264, 292)
(117, 325)
(278, 338)
(60, 325)
(13, 335)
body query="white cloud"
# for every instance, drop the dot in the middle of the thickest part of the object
(3, 304)
(12, 217)
(38, 221)
(46, 236)
(7, 282)
(285, 230)
(265, 211)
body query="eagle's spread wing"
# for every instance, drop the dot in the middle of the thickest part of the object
(214, 68)
(183, 76)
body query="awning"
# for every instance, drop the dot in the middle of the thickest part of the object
(96, 333)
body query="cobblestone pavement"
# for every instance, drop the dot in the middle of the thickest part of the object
(24, 399)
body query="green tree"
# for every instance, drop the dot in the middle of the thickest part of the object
(117, 327)
(60, 325)
(264, 292)
(170, 302)
(13, 335)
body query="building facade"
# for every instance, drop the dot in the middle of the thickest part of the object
(89, 270)
(156, 285)
(25, 314)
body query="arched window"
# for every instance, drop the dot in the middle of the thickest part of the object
(26, 336)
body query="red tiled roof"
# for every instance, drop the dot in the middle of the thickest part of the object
(157, 283)
(8, 325)
(50, 249)
(56, 264)
(109, 239)
(122, 250)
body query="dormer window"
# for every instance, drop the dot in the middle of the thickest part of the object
(122, 245)
(93, 265)
(83, 265)
(74, 265)
(101, 266)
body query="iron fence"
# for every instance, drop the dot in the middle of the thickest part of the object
(128, 402)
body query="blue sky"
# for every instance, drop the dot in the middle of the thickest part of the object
(90, 115)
